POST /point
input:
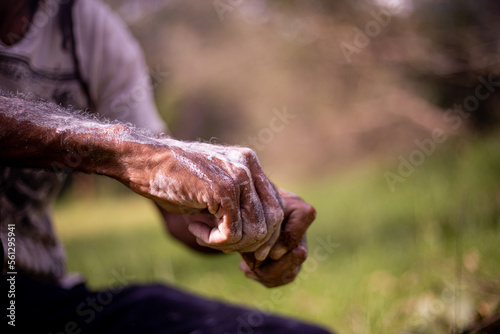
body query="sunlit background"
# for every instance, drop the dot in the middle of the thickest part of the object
(382, 114)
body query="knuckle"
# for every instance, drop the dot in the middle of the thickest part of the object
(234, 236)
(252, 243)
(262, 235)
(311, 212)
(225, 183)
(224, 189)
(241, 176)
(277, 216)
(249, 157)
(301, 254)
(307, 214)
(248, 154)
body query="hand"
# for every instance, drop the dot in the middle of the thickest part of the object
(290, 250)
(226, 182)
(273, 273)
(177, 226)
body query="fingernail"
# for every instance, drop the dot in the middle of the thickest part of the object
(261, 254)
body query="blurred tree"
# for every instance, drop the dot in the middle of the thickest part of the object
(462, 43)
(458, 44)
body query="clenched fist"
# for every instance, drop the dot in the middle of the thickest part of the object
(225, 182)
(290, 250)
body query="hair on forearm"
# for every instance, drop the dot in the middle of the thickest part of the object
(39, 134)
(48, 116)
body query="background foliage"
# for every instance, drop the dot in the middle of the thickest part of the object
(420, 256)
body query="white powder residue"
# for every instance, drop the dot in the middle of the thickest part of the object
(164, 186)
(220, 162)
(69, 122)
(234, 161)
(191, 166)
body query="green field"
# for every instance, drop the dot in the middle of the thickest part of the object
(415, 260)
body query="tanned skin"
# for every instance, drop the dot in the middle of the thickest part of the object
(212, 198)
(226, 183)
(31, 136)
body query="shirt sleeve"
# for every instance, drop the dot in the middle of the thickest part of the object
(113, 64)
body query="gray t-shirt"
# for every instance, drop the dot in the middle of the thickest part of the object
(112, 64)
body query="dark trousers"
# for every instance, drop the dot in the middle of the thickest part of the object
(42, 307)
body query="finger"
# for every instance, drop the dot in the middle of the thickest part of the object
(272, 202)
(302, 251)
(298, 217)
(253, 219)
(247, 271)
(293, 258)
(278, 251)
(214, 237)
(228, 229)
(251, 261)
(201, 231)
(262, 253)
(276, 273)
(208, 220)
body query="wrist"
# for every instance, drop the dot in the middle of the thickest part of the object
(136, 162)
(113, 151)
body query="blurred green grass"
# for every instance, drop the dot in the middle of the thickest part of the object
(417, 260)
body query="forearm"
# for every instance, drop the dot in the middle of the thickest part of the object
(187, 178)
(43, 135)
